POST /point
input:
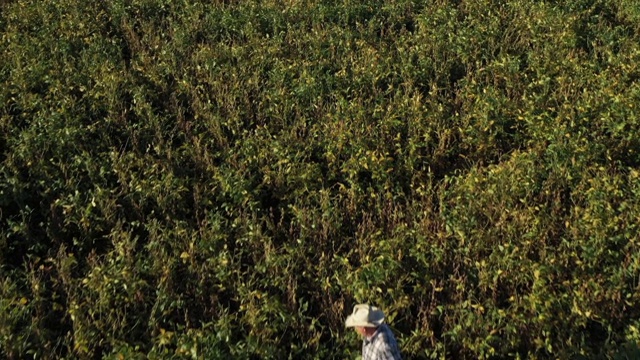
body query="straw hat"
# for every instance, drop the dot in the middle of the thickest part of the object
(365, 315)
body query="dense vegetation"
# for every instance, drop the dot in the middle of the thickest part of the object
(223, 179)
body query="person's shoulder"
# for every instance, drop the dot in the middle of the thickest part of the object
(386, 331)
(387, 346)
(386, 336)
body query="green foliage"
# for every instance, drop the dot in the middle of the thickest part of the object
(227, 179)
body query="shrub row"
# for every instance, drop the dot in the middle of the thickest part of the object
(184, 179)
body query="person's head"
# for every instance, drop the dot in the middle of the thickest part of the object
(365, 319)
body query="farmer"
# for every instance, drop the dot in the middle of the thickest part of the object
(378, 341)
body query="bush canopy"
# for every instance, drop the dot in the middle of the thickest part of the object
(186, 179)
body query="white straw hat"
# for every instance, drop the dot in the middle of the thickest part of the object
(365, 315)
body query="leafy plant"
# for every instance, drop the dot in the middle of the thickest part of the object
(227, 179)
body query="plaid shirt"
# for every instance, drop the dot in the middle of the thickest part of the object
(381, 346)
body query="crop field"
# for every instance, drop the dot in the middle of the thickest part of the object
(186, 179)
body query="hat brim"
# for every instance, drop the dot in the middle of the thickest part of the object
(352, 322)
